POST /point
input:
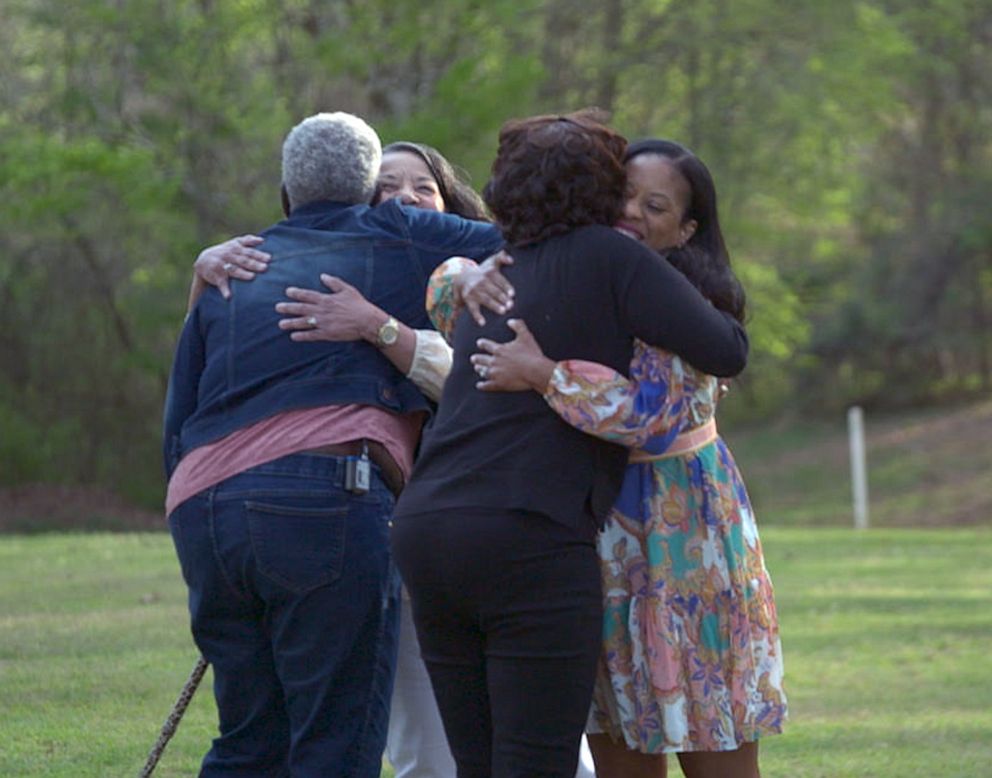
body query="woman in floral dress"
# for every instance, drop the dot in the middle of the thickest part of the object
(692, 662)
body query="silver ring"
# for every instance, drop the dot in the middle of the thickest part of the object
(482, 370)
(312, 321)
(227, 266)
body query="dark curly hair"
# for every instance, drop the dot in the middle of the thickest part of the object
(459, 198)
(704, 259)
(555, 173)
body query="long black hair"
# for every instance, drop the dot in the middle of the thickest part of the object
(704, 259)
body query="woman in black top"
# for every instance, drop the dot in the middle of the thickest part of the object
(494, 534)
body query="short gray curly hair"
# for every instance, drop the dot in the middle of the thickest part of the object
(330, 156)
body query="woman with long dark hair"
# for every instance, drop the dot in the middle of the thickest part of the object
(691, 660)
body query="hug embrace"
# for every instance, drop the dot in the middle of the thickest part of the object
(566, 547)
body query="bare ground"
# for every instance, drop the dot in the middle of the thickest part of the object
(43, 507)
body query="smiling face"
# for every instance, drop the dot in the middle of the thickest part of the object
(406, 176)
(657, 198)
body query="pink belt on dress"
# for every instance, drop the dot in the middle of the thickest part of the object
(686, 443)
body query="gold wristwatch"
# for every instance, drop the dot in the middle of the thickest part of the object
(388, 333)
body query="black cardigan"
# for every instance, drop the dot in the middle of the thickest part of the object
(584, 295)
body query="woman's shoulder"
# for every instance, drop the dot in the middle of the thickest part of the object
(612, 243)
(603, 245)
(599, 233)
(596, 229)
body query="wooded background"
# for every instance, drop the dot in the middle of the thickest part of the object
(850, 140)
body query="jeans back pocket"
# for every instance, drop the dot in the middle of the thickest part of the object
(297, 546)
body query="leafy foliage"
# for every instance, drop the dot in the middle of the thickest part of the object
(851, 143)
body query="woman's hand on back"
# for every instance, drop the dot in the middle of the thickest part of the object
(342, 315)
(485, 287)
(515, 366)
(234, 258)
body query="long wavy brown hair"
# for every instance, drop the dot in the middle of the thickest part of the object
(555, 173)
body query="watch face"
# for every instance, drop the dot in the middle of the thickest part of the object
(389, 332)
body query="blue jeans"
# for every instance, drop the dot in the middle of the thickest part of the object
(294, 600)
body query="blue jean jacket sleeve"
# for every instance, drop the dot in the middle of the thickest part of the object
(184, 382)
(437, 236)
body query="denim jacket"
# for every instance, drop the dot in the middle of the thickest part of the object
(234, 366)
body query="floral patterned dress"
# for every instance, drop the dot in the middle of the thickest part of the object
(692, 659)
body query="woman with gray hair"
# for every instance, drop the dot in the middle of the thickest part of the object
(283, 460)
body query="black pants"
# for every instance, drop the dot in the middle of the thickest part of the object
(508, 612)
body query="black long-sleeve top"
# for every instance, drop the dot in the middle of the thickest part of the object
(584, 295)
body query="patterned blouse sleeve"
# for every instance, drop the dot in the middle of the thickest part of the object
(442, 306)
(602, 402)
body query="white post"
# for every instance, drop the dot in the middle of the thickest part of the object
(859, 471)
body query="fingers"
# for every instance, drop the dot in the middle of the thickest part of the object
(486, 345)
(306, 335)
(249, 259)
(475, 311)
(501, 286)
(489, 279)
(309, 329)
(485, 293)
(483, 366)
(246, 261)
(295, 309)
(519, 326)
(240, 273)
(493, 261)
(223, 286)
(496, 278)
(491, 296)
(249, 240)
(239, 252)
(298, 323)
(310, 296)
(482, 363)
(334, 283)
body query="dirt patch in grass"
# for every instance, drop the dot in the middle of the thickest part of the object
(57, 507)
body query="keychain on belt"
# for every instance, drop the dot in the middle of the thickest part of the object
(358, 471)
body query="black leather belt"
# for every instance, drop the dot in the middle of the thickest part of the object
(392, 476)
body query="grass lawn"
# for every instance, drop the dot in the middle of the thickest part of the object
(887, 636)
